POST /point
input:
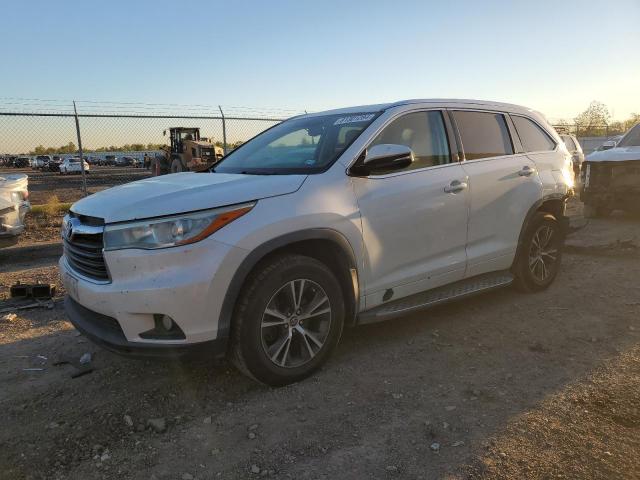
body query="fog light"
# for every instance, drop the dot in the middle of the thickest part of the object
(167, 322)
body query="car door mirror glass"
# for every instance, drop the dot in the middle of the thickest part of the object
(388, 156)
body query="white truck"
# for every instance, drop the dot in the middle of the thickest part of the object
(14, 205)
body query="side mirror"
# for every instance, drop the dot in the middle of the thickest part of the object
(608, 145)
(388, 156)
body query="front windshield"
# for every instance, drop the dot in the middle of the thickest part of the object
(300, 145)
(632, 138)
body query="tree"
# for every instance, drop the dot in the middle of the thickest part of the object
(594, 120)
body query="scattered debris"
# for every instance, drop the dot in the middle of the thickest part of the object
(187, 476)
(32, 369)
(255, 469)
(79, 372)
(459, 443)
(33, 290)
(48, 304)
(85, 359)
(450, 408)
(159, 425)
(392, 468)
(435, 446)
(128, 421)
(9, 317)
(251, 436)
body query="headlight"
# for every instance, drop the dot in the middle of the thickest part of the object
(171, 231)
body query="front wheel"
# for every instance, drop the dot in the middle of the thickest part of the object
(176, 166)
(540, 254)
(288, 320)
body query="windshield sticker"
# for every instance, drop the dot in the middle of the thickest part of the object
(354, 119)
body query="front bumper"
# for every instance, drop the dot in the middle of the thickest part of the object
(106, 332)
(185, 283)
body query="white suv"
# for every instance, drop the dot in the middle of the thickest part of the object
(328, 219)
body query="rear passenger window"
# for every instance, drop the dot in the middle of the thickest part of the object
(533, 138)
(568, 141)
(422, 132)
(483, 134)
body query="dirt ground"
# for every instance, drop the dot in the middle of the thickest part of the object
(499, 386)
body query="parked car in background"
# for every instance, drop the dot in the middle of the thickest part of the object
(41, 162)
(611, 177)
(574, 148)
(108, 161)
(22, 162)
(72, 165)
(14, 205)
(124, 161)
(54, 164)
(328, 219)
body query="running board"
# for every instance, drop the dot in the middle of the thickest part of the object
(430, 298)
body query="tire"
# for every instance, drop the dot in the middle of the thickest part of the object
(596, 211)
(176, 166)
(260, 350)
(530, 274)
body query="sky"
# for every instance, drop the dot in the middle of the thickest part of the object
(554, 56)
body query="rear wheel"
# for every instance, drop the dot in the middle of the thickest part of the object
(176, 166)
(288, 320)
(540, 254)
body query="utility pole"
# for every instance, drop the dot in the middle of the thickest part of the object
(84, 174)
(224, 131)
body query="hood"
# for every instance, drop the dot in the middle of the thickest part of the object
(183, 192)
(618, 154)
(13, 181)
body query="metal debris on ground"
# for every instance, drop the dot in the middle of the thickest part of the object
(15, 306)
(32, 290)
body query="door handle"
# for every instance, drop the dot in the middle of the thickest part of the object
(526, 171)
(455, 186)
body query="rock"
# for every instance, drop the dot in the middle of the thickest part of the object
(215, 451)
(52, 425)
(459, 443)
(128, 421)
(104, 457)
(187, 476)
(10, 317)
(251, 436)
(392, 468)
(475, 392)
(450, 408)
(159, 425)
(397, 396)
(255, 469)
(85, 359)
(503, 455)
(253, 427)
(264, 473)
(445, 425)
(207, 420)
(435, 446)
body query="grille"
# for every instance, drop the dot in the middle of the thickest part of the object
(83, 247)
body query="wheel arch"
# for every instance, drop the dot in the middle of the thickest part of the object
(553, 204)
(326, 245)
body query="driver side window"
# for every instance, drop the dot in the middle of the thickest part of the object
(424, 133)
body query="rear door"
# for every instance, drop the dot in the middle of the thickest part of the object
(503, 186)
(414, 221)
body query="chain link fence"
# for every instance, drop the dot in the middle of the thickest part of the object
(116, 144)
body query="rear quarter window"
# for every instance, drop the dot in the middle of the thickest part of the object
(532, 136)
(483, 134)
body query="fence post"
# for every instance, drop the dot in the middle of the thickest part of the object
(84, 175)
(224, 131)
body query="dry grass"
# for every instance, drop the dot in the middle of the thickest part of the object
(54, 207)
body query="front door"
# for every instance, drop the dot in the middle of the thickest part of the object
(414, 221)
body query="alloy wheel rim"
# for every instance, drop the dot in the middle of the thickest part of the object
(295, 323)
(543, 253)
